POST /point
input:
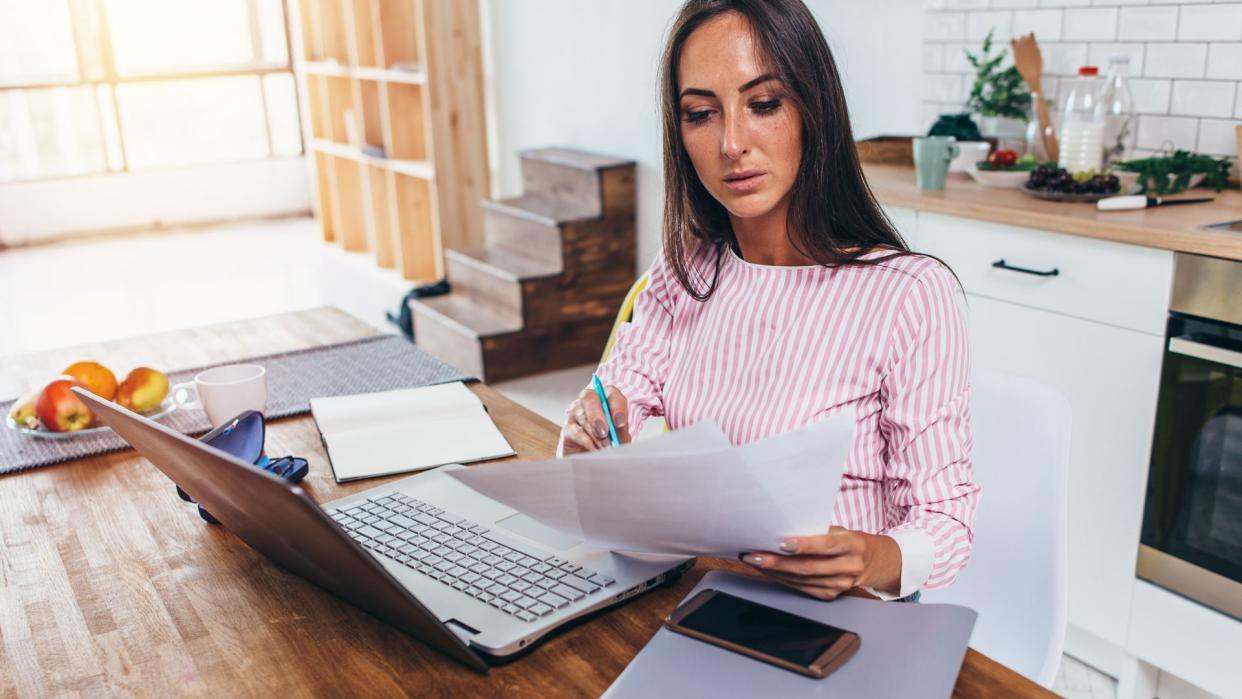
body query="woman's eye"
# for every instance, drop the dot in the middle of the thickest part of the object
(765, 106)
(697, 115)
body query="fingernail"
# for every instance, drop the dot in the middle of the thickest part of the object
(790, 546)
(601, 430)
(619, 419)
(753, 559)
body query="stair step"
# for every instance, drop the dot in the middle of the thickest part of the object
(534, 240)
(569, 157)
(599, 184)
(540, 209)
(496, 277)
(504, 264)
(470, 318)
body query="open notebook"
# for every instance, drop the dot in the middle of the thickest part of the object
(377, 434)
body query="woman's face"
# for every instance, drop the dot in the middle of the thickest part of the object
(741, 131)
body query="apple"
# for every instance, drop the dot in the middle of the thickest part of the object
(143, 389)
(23, 410)
(60, 410)
(97, 378)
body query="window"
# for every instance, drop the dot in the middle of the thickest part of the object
(94, 86)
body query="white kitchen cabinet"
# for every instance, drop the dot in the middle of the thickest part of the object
(1114, 283)
(1095, 331)
(907, 223)
(1110, 376)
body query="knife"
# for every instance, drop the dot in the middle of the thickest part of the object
(1138, 201)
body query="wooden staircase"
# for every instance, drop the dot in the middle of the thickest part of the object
(542, 292)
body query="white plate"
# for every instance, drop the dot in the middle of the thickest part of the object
(165, 407)
(1008, 179)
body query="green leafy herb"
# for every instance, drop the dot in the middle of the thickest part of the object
(1170, 174)
(997, 92)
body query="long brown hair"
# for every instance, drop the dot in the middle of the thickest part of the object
(833, 216)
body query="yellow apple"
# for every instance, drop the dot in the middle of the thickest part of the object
(142, 390)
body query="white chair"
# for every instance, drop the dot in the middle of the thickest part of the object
(1016, 578)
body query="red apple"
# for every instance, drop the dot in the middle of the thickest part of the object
(60, 410)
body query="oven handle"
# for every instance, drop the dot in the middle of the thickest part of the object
(1210, 353)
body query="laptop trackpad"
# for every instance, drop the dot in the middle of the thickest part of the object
(536, 531)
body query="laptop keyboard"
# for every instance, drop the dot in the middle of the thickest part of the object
(467, 556)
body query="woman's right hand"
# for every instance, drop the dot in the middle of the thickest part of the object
(585, 427)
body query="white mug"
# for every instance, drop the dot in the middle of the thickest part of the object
(224, 392)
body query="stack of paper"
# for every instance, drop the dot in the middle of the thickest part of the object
(376, 434)
(687, 492)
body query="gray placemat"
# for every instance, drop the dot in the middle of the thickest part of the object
(360, 366)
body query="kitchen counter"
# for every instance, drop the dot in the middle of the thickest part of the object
(1169, 228)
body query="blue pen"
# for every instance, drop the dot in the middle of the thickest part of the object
(603, 400)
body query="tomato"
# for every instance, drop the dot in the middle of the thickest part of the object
(1002, 158)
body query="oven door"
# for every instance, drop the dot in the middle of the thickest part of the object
(1192, 523)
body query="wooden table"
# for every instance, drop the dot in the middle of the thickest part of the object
(111, 585)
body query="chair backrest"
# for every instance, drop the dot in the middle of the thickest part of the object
(1016, 578)
(624, 313)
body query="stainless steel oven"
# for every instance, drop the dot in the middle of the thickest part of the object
(1191, 540)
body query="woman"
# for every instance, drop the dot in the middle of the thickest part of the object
(784, 295)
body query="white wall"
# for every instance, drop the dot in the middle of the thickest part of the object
(583, 74)
(61, 207)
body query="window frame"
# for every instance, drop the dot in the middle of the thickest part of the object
(80, 12)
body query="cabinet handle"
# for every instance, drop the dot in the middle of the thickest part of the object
(1000, 264)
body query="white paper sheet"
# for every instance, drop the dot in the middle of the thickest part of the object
(687, 492)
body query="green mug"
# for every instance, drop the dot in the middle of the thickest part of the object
(931, 159)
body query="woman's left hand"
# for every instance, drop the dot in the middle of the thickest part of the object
(824, 566)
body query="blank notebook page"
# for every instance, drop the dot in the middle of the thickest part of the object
(377, 434)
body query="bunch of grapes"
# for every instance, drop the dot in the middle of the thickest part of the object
(1057, 179)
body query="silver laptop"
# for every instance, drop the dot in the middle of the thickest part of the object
(464, 573)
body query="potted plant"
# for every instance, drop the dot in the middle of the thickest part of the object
(998, 95)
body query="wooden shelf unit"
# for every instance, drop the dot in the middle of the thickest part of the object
(393, 112)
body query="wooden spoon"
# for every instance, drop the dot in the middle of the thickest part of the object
(1030, 65)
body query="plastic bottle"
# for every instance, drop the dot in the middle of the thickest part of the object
(1082, 124)
(1118, 105)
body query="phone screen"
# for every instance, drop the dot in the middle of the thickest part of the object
(764, 629)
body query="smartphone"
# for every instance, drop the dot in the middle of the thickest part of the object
(779, 638)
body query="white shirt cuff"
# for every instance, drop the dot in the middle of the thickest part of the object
(917, 558)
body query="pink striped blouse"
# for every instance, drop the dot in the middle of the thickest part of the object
(778, 347)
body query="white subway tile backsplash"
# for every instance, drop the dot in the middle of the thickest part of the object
(1096, 24)
(1147, 24)
(1225, 61)
(1175, 60)
(1064, 59)
(955, 60)
(1218, 137)
(943, 88)
(1100, 54)
(1151, 96)
(1157, 132)
(1209, 98)
(1044, 24)
(978, 24)
(1211, 23)
(1185, 58)
(950, 26)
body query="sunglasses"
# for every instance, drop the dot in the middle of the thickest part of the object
(243, 437)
